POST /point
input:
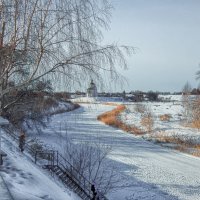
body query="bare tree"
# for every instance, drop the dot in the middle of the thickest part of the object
(90, 161)
(196, 113)
(191, 105)
(47, 39)
(187, 102)
(187, 88)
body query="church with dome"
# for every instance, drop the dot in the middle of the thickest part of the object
(92, 90)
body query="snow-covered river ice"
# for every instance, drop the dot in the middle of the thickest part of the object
(149, 170)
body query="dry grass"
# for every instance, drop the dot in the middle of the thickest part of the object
(111, 118)
(162, 137)
(195, 124)
(165, 117)
(182, 148)
(192, 112)
(147, 121)
(192, 124)
(197, 154)
(183, 145)
(196, 114)
(111, 104)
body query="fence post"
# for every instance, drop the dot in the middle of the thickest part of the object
(53, 157)
(35, 157)
(57, 158)
(49, 159)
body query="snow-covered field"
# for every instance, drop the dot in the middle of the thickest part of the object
(175, 127)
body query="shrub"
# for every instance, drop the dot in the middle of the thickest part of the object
(111, 118)
(165, 117)
(192, 108)
(196, 113)
(147, 121)
(140, 108)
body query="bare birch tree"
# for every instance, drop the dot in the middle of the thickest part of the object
(47, 38)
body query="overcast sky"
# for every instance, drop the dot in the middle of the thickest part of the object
(167, 36)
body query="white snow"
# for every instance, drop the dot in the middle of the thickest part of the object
(4, 192)
(26, 181)
(3, 121)
(97, 99)
(174, 127)
(149, 171)
(61, 107)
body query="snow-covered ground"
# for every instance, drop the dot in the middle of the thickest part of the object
(62, 106)
(98, 99)
(26, 181)
(149, 171)
(145, 170)
(174, 127)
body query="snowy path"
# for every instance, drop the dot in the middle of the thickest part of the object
(152, 172)
(4, 193)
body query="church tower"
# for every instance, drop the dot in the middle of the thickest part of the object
(92, 90)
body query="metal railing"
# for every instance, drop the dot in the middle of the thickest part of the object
(54, 158)
(81, 181)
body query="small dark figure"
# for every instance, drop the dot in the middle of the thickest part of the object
(93, 188)
(22, 142)
(93, 191)
(95, 196)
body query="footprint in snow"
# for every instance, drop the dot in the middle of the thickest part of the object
(20, 182)
(46, 197)
(13, 175)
